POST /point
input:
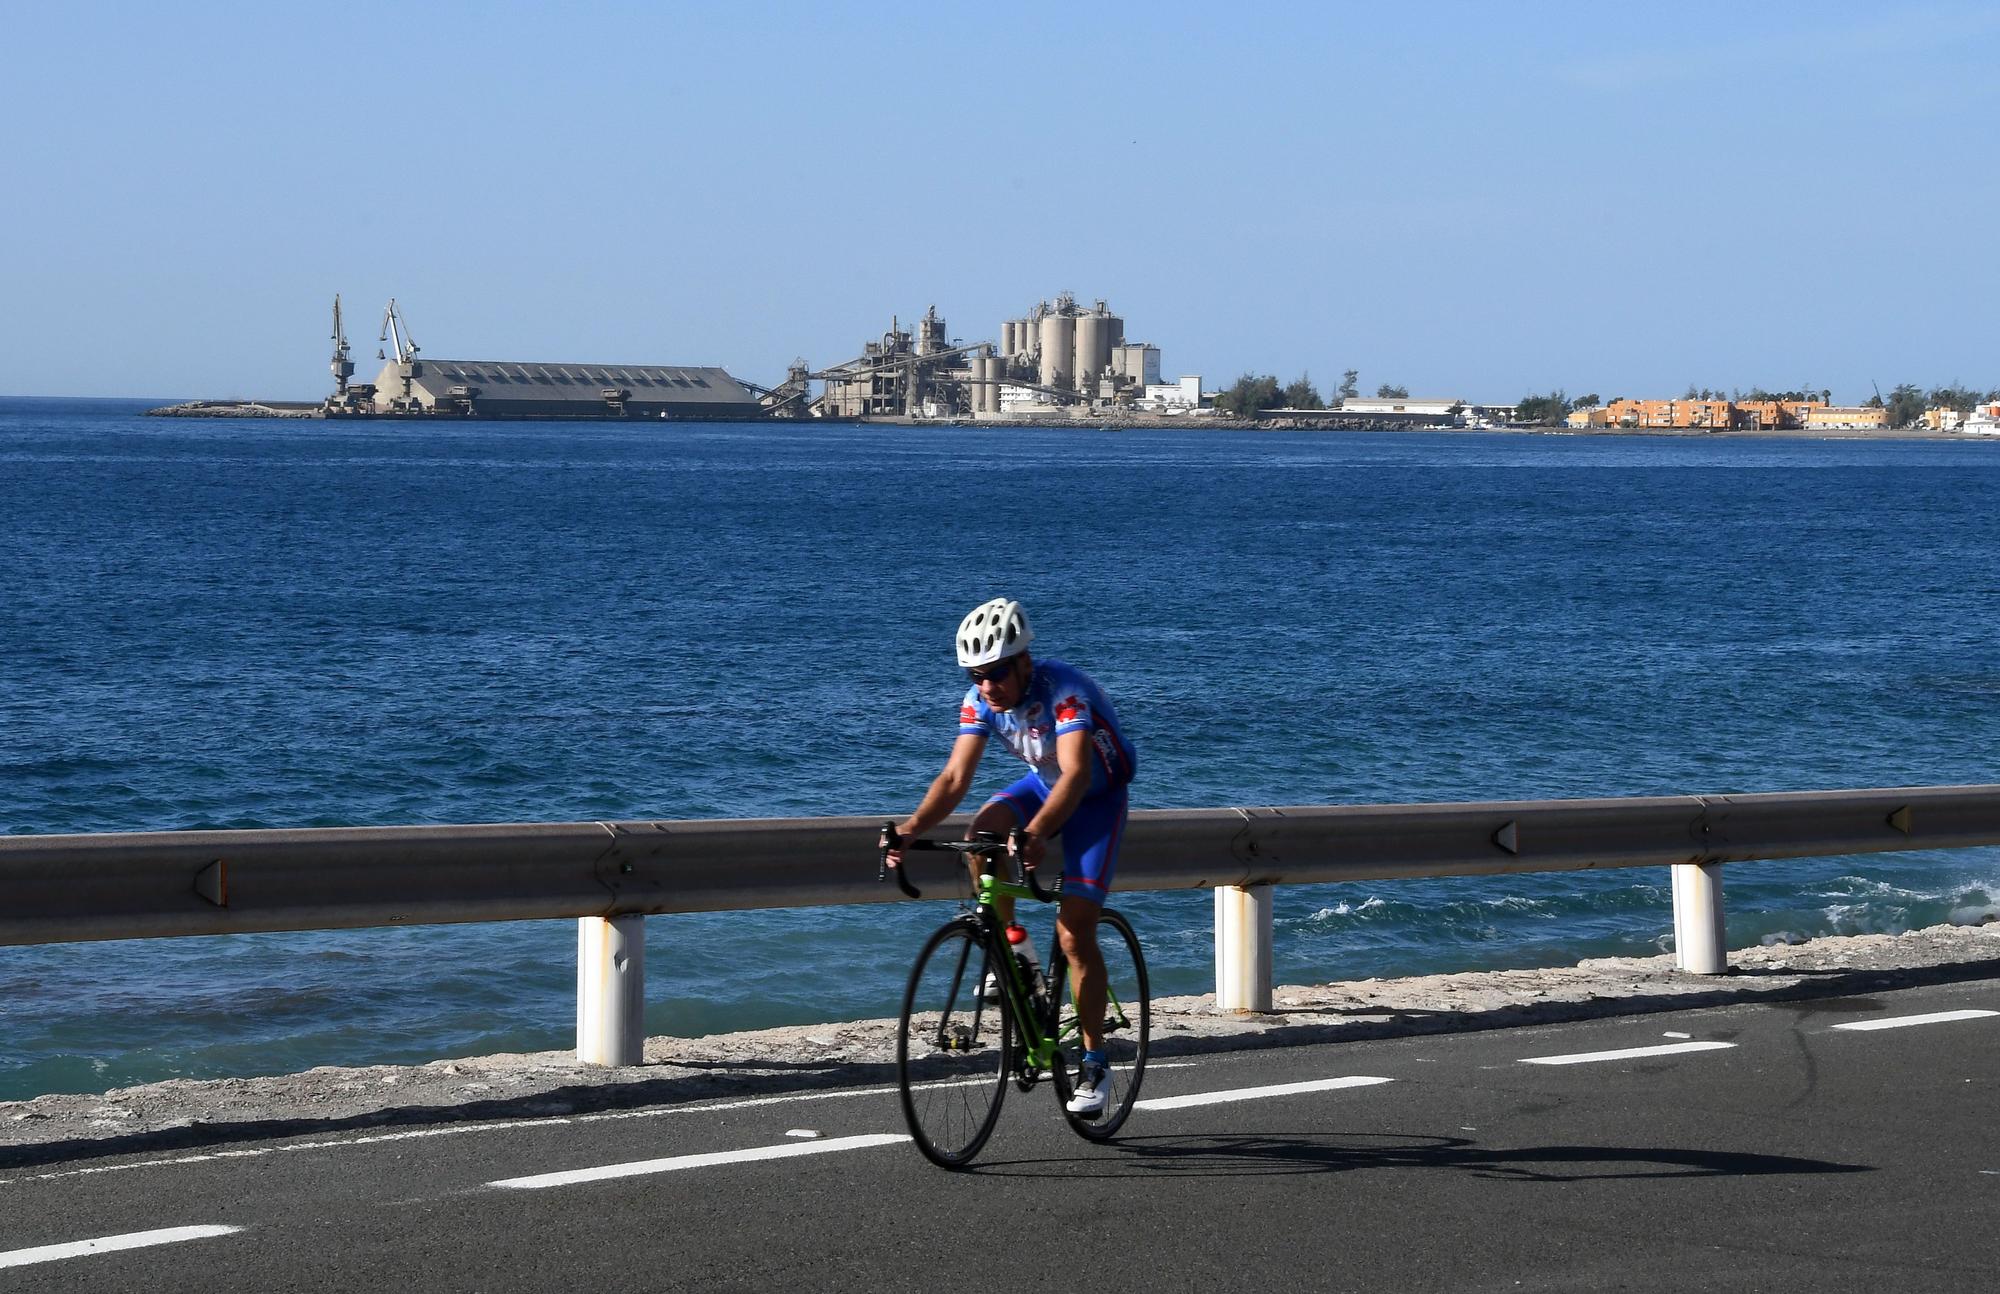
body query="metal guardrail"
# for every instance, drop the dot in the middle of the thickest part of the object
(66, 888)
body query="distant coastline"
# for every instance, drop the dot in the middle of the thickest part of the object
(296, 409)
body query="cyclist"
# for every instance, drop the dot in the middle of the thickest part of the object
(1055, 717)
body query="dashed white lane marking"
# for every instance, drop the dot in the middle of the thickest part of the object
(451, 1130)
(1904, 1021)
(111, 1244)
(464, 1129)
(642, 1167)
(1255, 1093)
(1627, 1053)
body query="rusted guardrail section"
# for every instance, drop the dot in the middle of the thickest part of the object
(56, 889)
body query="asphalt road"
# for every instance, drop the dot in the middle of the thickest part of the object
(1769, 1149)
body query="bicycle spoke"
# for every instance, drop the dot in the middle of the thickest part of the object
(953, 1050)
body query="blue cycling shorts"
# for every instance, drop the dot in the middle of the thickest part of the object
(1090, 839)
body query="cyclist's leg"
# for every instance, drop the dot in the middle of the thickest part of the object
(1076, 927)
(1014, 807)
(1090, 842)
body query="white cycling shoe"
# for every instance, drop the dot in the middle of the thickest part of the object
(1093, 1087)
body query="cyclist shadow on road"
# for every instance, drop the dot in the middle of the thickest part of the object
(1278, 1154)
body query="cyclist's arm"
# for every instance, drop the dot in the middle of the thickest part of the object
(1072, 784)
(950, 785)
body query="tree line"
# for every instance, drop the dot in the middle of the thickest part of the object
(1907, 402)
(1254, 392)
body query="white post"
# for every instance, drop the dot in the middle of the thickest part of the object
(611, 990)
(1243, 947)
(1700, 943)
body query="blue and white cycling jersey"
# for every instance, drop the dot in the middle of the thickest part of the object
(1059, 699)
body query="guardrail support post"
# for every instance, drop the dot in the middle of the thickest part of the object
(1700, 944)
(1243, 947)
(611, 990)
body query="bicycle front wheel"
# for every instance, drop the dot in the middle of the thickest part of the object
(953, 1049)
(1128, 1030)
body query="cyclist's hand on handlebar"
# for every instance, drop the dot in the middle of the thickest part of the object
(1033, 849)
(892, 844)
(904, 831)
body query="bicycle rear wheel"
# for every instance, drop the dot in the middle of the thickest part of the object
(1128, 1030)
(953, 1050)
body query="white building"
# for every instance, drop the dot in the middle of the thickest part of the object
(1402, 405)
(1183, 396)
(1023, 399)
(1458, 412)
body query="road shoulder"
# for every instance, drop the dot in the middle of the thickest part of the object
(329, 1100)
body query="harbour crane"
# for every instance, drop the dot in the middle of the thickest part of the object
(397, 332)
(343, 368)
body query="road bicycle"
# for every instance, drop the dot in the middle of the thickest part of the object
(959, 1043)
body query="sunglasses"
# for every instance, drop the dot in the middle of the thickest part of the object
(992, 673)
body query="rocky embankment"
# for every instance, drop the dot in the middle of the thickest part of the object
(188, 1113)
(236, 409)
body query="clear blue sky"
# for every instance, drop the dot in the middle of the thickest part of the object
(1475, 200)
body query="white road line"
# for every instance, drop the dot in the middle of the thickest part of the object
(711, 1160)
(1628, 1053)
(1904, 1021)
(463, 1129)
(1255, 1093)
(110, 1244)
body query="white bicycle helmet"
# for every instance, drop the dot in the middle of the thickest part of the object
(993, 631)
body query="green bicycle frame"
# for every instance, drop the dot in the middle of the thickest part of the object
(1042, 1035)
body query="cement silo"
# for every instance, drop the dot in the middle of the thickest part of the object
(1058, 338)
(990, 368)
(1094, 340)
(1007, 339)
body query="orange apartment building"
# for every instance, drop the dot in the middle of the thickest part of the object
(1702, 415)
(1770, 415)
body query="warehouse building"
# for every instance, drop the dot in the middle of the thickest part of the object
(412, 386)
(506, 389)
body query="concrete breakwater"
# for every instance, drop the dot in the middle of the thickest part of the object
(237, 409)
(538, 1085)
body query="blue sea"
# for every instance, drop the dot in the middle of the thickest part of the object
(213, 624)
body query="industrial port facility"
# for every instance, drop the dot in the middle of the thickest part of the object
(1057, 362)
(410, 386)
(1058, 358)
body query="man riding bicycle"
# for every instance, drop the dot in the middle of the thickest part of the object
(1057, 719)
